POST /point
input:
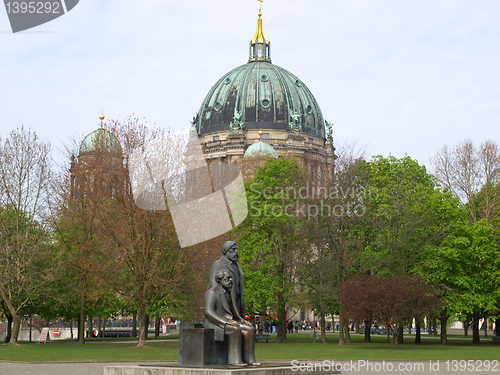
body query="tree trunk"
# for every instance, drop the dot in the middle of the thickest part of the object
(400, 334)
(104, 327)
(347, 334)
(146, 326)
(323, 322)
(134, 325)
(9, 328)
(395, 337)
(81, 322)
(418, 338)
(99, 329)
(434, 327)
(497, 325)
(141, 317)
(485, 327)
(367, 330)
(466, 329)
(16, 327)
(71, 327)
(15, 314)
(475, 329)
(281, 319)
(157, 325)
(341, 329)
(444, 331)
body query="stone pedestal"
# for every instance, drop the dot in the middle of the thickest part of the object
(196, 347)
(213, 370)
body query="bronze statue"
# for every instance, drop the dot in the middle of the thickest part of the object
(229, 261)
(221, 315)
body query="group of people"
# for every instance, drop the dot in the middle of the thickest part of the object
(266, 327)
(291, 326)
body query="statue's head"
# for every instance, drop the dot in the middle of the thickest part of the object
(224, 278)
(230, 249)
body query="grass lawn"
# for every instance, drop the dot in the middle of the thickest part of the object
(298, 346)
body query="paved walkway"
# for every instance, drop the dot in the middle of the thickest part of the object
(348, 368)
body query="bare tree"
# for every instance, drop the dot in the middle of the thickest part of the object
(25, 181)
(471, 173)
(154, 267)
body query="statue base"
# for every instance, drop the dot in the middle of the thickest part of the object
(266, 369)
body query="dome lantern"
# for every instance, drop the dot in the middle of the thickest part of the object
(260, 47)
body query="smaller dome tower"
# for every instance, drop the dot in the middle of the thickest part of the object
(260, 149)
(99, 165)
(100, 140)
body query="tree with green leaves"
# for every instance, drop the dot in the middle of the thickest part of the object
(269, 238)
(472, 173)
(467, 266)
(408, 214)
(25, 185)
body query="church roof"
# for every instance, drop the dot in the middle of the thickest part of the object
(260, 149)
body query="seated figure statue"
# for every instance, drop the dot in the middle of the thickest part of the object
(221, 315)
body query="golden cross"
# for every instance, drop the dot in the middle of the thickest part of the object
(260, 7)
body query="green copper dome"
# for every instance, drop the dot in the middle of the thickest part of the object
(100, 139)
(260, 149)
(262, 96)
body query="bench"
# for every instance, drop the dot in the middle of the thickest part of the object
(495, 339)
(263, 336)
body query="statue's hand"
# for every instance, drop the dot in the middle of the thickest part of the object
(246, 323)
(233, 323)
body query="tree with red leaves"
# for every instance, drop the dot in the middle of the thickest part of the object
(394, 300)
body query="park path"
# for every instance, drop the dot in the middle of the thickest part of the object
(409, 368)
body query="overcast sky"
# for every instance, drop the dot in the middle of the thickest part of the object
(396, 76)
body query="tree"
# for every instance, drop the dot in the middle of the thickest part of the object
(467, 170)
(393, 300)
(467, 266)
(408, 214)
(335, 213)
(83, 193)
(269, 237)
(471, 174)
(25, 181)
(153, 265)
